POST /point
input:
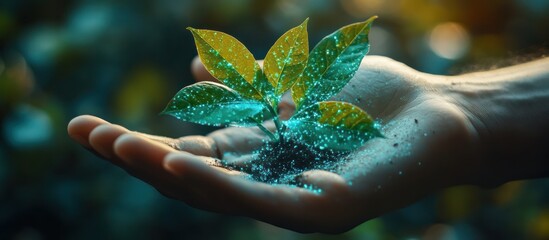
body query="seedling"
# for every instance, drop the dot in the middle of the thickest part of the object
(250, 95)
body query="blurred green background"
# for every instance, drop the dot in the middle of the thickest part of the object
(123, 60)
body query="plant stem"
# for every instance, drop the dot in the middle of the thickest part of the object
(266, 131)
(279, 126)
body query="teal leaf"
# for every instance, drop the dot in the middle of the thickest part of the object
(287, 58)
(230, 62)
(214, 104)
(333, 125)
(332, 64)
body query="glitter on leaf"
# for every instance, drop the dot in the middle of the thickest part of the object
(230, 62)
(333, 125)
(213, 104)
(287, 58)
(332, 63)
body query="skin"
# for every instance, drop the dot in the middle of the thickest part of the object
(482, 128)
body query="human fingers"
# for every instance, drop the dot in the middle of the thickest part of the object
(99, 135)
(236, 140)
(96, 135)
(196, 144)
(146, 154)
(102, 139)
(142, 158)
(79, 128)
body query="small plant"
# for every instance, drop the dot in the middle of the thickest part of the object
(250, 95)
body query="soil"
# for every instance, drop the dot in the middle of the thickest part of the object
(282, 162)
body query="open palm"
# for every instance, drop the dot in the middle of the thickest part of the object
(429, 144)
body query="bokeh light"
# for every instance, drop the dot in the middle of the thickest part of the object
(449, 40)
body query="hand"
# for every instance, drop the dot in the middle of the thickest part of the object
(430, 143)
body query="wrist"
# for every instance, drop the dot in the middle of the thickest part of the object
(509, 110)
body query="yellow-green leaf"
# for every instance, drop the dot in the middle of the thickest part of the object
(332, 63)
(334, 125)
(287, 58)
(214, 104)
(229, 61)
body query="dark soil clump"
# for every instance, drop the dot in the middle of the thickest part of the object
(282, 161)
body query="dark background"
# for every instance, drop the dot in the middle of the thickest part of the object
(123, 60)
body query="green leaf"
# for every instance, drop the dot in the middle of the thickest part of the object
(334, 125)
(287, 58)
(214, 104)
(230, 62)
(332, 63)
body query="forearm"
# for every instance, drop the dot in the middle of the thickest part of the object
(509, 109)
